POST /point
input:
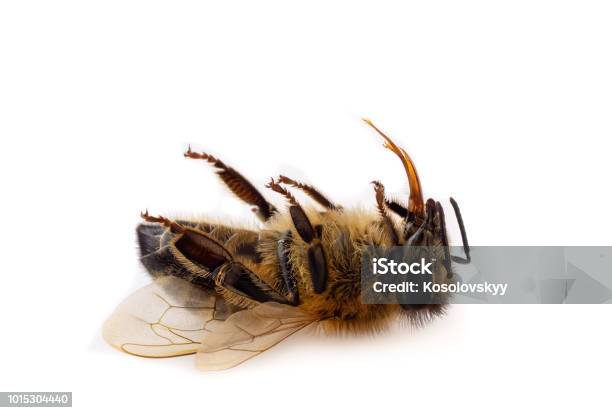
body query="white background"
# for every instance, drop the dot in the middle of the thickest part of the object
(504, 105)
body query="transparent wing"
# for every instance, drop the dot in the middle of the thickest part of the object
(169, 317)
(248, 333)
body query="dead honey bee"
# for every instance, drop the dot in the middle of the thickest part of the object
(229, 293)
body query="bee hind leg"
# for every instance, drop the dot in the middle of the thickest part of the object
(174, 226)
(208, 262)
(317, 260)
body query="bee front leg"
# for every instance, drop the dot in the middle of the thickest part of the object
(397, 208)
(317, 260)
(382, 210)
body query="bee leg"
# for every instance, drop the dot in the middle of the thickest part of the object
(157, 257)
(429, 229)
(317, 260)
(286, 269)
(212, 262)
(382, 210)
(419, 237)
(238, 184)
(174, 226)
(466, 245)
(409, 218)
(397, 208)
(310, 191)
(238, 279)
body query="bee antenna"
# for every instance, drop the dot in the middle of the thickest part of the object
(464, 240)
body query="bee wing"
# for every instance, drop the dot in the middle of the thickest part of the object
(169, 317)
(248, 333)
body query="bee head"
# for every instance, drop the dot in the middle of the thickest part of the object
(424, 222)
(425, 226)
